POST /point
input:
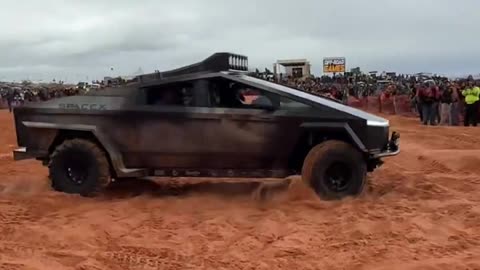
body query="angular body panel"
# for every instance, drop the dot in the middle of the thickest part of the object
(205, 132)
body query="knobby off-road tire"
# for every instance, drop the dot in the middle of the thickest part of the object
(329, 162)
(79, 166)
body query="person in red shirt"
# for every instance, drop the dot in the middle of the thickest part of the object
(429, 96)
(436, 102)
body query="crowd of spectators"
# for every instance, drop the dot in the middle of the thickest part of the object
(12, 94)
(442, 103)
(436, 99)
(356, 85)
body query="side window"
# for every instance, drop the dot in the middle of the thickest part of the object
(286, 103)
(219, 93)
(170, 95)
(227, 94)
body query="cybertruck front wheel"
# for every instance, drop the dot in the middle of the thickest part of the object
(335, 170)
(79, 166)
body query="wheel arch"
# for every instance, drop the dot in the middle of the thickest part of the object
(69, 134)
(316, 133)
(92, 133)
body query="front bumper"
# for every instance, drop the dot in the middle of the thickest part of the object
(392, 149)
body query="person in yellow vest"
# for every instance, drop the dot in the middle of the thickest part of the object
(472, 96)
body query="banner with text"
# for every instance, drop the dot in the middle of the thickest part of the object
(334, 65)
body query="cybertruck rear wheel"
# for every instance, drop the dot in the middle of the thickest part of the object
(79, 167)
(335, 170)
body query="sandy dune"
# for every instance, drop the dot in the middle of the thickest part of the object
(421, 211)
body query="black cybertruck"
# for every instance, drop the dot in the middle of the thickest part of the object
(209, 119)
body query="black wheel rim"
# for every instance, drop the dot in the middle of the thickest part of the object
(76, 166)
(338, 177)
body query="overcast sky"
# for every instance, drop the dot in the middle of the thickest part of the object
(79, 39)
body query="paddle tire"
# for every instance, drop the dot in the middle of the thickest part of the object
(79, 166)
(335, 170)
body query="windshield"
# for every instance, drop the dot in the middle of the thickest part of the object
(371, 118)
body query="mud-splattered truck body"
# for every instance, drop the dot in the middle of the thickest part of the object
(209, 119)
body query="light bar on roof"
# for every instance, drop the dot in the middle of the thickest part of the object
(221, 61)
(238, 62)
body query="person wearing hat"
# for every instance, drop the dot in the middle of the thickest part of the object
(472, 96)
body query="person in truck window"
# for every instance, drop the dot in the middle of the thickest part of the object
(262, 100)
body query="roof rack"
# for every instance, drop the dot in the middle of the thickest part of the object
(217, 62)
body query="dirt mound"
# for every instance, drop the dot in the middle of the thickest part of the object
(420, 211)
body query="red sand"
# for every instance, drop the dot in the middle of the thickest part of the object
(421, 211)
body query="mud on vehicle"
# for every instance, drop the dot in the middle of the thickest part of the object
(209, 119)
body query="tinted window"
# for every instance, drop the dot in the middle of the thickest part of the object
(170, 95)
(227, 94)
(286, 103)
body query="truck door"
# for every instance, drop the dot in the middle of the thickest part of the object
(205, 125)
(174, 128)
(254, 131)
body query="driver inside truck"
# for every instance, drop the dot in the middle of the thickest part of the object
(250, 96)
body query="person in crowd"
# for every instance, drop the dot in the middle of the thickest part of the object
(418, 100)
(472, 95)
(454, 107)
(446, 100)
(337, 94)
(412, 97)
(428, 97)
(10, 98)
(436, 101)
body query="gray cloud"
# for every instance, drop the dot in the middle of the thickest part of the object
(84, 38)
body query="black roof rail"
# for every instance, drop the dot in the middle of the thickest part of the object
(217, 62)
